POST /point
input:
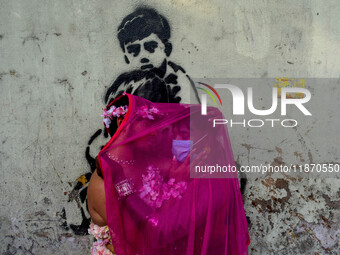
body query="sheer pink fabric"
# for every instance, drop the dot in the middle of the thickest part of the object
(169, 212)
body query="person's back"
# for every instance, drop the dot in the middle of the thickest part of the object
(153, 205)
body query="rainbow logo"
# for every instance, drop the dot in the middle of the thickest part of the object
(209, 93)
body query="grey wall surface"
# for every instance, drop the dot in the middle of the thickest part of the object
(57, 58)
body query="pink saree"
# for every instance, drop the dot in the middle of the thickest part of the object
(157, 200)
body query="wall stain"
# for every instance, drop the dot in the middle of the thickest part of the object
(66, 83)
(277, 161)
(31, 37)
(332, 204)
(273, 205)
(299, 155)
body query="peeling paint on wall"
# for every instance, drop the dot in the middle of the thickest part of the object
(59, 60)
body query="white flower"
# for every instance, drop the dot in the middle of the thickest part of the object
(107, 122)
(110, 111)
(154, 110)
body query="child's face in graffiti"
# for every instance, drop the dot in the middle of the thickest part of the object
(147, 53)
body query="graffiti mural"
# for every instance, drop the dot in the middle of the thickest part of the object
(144, 37)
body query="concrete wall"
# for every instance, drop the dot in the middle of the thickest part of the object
(59, 57)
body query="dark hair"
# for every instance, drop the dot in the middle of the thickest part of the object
(99, 170)
(120, 102)
(140, 24)
(153, 89)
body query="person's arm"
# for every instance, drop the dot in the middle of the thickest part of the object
(138, 209)
(96, 200)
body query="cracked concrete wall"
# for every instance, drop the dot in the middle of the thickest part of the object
(57, 60)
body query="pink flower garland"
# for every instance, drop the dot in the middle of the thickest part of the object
(154, 190)
(102, 235)
(113, 112)
(148, 113)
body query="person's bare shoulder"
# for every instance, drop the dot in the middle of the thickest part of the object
(96, 200)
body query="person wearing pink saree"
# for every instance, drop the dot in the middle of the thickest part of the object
(152, 197)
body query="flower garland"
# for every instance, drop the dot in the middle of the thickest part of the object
(113, 112)
(154, 190)
(148, 113)
(102, 235)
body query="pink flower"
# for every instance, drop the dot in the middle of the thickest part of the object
(103, 237)
(154, 190)
(99, 232)
(113, 112)
(104, 114)
(147, 113)
(121, 110)
(154, 110)
(153, 221)
(107, 122)
(171, 181)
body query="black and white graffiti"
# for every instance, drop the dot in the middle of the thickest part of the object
(144, 37)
